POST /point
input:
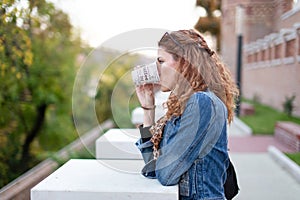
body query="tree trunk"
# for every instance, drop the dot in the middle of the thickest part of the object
(30, 136)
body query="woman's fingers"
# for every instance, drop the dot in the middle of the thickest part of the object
(145, 94)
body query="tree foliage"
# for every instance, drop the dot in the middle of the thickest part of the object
(37, 69)
(211, 22)
(115, 96)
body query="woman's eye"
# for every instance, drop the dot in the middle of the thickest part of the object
(160, 61)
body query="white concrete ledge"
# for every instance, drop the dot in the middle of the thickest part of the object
(239, 128)
(118, 144)
(94, 180)
(285, 162)
(288, 60)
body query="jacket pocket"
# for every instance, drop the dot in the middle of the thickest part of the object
(184, 189)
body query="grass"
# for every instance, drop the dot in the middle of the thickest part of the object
(265, 118)
(295, 157)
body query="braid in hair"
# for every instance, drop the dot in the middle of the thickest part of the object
(198, 40)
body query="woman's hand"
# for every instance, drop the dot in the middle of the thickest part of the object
(145, 94)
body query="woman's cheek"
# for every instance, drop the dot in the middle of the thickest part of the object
(164, 77)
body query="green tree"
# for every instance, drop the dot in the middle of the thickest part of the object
(211, 22)
(37, 69)
(116, 80)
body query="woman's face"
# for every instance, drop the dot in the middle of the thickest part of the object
(167, 70)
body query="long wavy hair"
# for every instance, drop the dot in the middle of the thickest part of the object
(199, 69)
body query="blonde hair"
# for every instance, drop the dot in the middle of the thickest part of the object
(200, 68)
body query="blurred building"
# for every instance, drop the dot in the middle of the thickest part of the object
(271, 49)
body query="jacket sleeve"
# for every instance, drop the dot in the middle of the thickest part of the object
(182, 149)
(144, 144)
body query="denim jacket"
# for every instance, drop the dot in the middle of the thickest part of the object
(193, 151)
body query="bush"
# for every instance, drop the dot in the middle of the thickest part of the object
(288, 105)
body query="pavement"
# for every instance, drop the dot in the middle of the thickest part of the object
(259, 175)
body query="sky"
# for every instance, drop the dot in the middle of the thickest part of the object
(99, 20)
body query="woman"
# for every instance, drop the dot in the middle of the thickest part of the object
(188, 145)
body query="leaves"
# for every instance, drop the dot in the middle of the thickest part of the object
(210, 23)
(37, 69)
